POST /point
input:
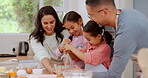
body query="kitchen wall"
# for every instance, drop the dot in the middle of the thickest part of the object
(11, 40)
(125, 3)
(78, 6)
(141, 5)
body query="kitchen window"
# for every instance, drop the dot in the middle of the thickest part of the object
(18, 16)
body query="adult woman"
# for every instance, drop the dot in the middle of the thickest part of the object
(46, 37)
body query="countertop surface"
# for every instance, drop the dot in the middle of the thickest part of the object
(22, 58)
(28, 57)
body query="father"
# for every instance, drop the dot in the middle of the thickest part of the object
(131, 32)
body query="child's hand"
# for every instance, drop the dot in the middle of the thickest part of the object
(67, 51)
(65, 41)
(73, 56)
(67, 48)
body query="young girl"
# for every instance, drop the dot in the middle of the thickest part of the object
(73, 23)
(96, 54)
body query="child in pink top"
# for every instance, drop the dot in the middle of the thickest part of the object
(73, 23)
(96, 54)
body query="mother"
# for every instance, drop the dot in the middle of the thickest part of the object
(46, 37)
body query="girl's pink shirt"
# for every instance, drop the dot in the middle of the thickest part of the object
(97, 54)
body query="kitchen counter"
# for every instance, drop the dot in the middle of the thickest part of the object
(23, 60)
(28, 57)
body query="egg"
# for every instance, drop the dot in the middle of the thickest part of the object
(29, 70)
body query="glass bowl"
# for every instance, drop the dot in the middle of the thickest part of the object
(77, 73)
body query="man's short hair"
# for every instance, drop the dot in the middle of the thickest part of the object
(98, 3)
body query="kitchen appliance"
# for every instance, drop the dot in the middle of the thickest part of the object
(23, 48)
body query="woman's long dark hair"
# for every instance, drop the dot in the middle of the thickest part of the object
(94, 29)
(38, 32)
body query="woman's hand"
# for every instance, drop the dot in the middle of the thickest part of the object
(50, 70)
(47, 64)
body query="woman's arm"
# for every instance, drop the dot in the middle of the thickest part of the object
(41, 54)
(47, 64)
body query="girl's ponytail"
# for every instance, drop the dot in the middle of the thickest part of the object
(108, 37)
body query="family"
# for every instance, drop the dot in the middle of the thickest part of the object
(87, 46)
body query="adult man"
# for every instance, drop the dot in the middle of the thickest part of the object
(131, 32)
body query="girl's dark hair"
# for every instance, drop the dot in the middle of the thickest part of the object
(38, 32)
(94, 29)
(72, 16)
